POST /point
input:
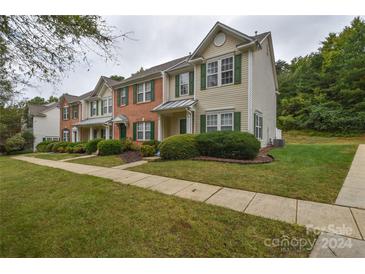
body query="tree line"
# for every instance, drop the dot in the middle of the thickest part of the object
(325, 90)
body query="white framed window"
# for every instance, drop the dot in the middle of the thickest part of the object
(184, 84)
(258, 125)
(143, 131)
(110, 105)
(65, 113)
(123, 97)
(105, 106)
(220, 72)
(144, 92)
(75, 112)
(212, 74)
(227, 71)
(219, 121)
(93, 108)
(66, 135)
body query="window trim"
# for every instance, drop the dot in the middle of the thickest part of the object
(124, 90)
(68, 135)
(188, 84)
(75, 109)
(93, 107)
(258, 126)
(219, 72)
(144, 92)
(65, 112)
(110, 104)
(219, 119)
(105, 100)
(143, 131)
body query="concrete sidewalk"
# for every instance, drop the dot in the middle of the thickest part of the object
(340, 220)
(353, 190)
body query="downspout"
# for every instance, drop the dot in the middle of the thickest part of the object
(250, 94)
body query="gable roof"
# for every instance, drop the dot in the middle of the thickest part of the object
(152, 70)
(38, 110)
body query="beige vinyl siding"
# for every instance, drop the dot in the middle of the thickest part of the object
(229, 96)
(264, 95)
(229, 46)
(171, 95)
(171, 123)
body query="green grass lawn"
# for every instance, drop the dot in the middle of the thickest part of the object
(312, 137)
(308, 172)
(47, 212)
(54, 156)
(105, 161)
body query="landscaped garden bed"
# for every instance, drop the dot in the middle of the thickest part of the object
(104, 161)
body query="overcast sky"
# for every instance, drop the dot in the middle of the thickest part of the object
(162, 38)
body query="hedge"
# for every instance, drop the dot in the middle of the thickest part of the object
(60, 147)
(109, 147)
(148, 151)
(92, 145)
(228, 144)
(44, 146)
(179, 147)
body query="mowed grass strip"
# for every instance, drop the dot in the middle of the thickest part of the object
(55, 156)
(47, 212)
(308, 172)
(105, 161)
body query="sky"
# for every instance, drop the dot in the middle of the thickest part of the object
(158, 39)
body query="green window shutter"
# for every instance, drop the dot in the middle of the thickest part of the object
(202, 123)
(118, 97)
(237, 68)
(237, 121)
(135, 94)
(91, 108)
(97, 107)
(152, 130)
(177, 85)
(102, 105)
(127, 95)
(134, 131)
(152, 90)
(203, 81)
(191, 83)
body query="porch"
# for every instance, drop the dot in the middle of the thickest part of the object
(175, 117)
(92, 129)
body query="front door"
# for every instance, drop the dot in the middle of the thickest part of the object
(123, 131)
(182, 126)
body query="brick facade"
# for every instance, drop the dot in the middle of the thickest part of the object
(138, 112)
(68, 124)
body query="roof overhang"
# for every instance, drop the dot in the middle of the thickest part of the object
(175, 105)
(121, 119)
(102, 121)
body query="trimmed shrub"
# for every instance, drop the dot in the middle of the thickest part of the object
(60, 147)
(14, 143)
(228, 144)
(147, 150)
(79, 148)
(44, 146)
(179, 147)
(109, 147)
(92, 145)
(153, 143)
(126, 144)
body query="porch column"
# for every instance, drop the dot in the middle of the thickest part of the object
(159, 128)
(91, 134)
(107, 133)
(78, 131)
(188, 122)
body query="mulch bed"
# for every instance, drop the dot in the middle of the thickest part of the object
(131, 156)
(262, 158)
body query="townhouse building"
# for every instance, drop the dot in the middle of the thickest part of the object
(227, 83)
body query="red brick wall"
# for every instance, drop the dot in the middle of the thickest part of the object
(67, 123)
(138, 112)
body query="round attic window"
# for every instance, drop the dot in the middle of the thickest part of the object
(219, 39)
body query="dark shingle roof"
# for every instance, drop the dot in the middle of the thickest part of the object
(110, 82)
(153, 70)
(37, 110)
(85, 95)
